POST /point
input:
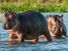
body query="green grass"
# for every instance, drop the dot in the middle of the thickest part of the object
(37, 5)
(23, 5)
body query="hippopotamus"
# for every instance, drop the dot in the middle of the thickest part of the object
(27, 25)
(56, 26)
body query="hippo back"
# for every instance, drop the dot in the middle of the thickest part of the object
(32, 20)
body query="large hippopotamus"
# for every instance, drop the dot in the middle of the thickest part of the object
(26, 25)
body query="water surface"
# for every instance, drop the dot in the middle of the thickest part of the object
(57, 45)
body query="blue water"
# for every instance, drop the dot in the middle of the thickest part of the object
(56, 45)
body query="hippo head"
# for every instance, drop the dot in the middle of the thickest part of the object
(56, 21)
(9, 20)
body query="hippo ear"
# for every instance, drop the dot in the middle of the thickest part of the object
(13, 13)
(49, 15)
(62, 15)
(6, 13)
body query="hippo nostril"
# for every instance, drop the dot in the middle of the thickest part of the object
(14, 36)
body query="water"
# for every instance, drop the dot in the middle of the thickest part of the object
(56, 45)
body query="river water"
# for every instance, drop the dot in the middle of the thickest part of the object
(56, 45)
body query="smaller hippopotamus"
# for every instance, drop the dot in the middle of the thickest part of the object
(56, 26)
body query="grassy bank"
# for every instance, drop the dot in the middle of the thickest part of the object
(38, 5)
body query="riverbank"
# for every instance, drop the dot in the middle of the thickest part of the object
(45, 6)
